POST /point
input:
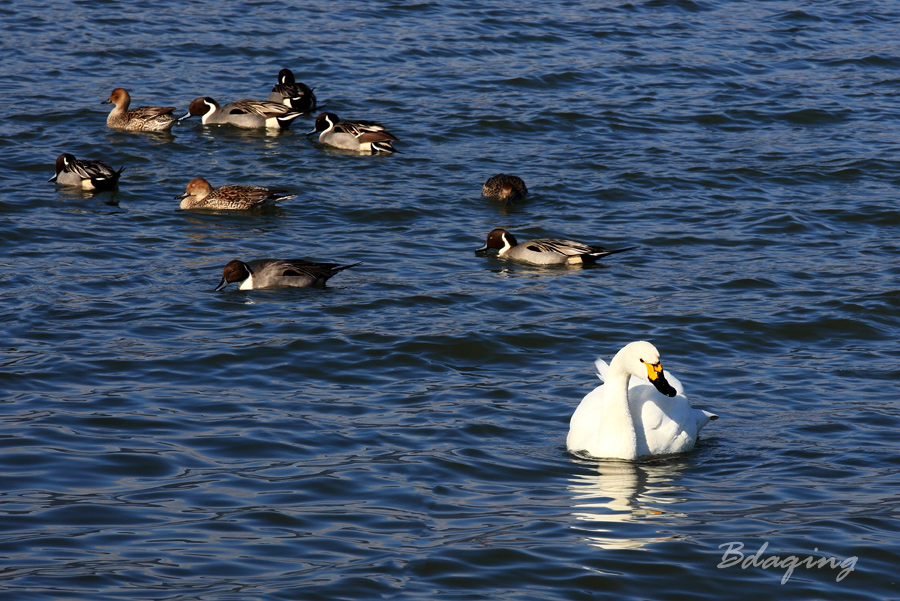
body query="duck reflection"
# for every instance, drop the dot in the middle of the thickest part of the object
(617, 502)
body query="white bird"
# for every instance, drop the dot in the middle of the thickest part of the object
(637, 412)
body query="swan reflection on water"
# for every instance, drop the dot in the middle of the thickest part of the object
(621, 504)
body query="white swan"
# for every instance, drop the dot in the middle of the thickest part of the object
(630, 418)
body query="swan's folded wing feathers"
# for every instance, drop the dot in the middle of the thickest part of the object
(583, 429)
(602, 369)
(652, 416)
(657, 409)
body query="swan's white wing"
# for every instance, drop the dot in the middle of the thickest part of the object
(670, 424)
(584, 426)
(602, 368)
(654, 408)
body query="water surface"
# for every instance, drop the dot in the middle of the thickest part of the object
(401, 433)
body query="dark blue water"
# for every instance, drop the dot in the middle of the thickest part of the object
(401, 433)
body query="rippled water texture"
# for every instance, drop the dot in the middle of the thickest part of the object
(401, 433)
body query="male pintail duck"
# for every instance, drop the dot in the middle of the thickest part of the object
(87, 175)
(507, 188)
(639, 410)
(273, 273)
(251, 114)
(296, 95)
(144, 118)
(200, 195)
(545, 251)
(363, 136)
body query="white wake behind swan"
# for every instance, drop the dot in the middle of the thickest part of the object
(637, 412)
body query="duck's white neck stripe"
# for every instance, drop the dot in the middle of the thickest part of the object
(212, 109)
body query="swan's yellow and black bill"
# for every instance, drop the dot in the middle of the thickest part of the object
(658, 379)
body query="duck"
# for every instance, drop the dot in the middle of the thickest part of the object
(545, 251)
(362, 136)
(639, 411)
(249, 114)
(199, 194)
(86, 174)
(144, 118)
(507, 188)
(290, 93)
(274, 273)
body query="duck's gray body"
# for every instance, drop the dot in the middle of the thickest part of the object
(275, 273)
(296, 95)
(248, 114)
(362, 136)
(87, 174)
(545, 251)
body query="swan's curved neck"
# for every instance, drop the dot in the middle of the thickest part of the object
(618, 409)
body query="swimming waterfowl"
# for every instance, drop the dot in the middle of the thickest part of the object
(199, 194)
(144, 118)
(639, 410)
(273, 273)
(296, 95)
(250, 114)
(363, 136)
(507, 188)
(87, 174)
(545, 251)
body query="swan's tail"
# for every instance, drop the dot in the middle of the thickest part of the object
(703, 417)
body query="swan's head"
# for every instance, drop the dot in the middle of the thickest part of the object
(642, 360)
